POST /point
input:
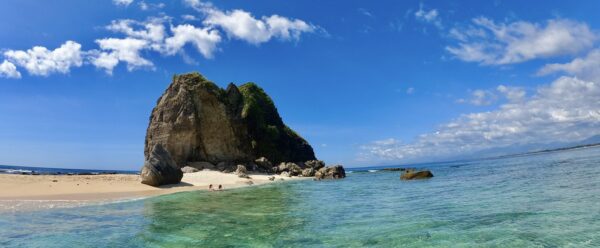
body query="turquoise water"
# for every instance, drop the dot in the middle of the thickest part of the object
(548, 200)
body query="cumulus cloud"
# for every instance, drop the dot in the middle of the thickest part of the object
(115, 50)
(587, 68)
(242, 25)
(204, 39)
(9, 70)
(122, 2)
(490, 43)
(42, 62)
(156, 34)
(429, 16)
(566, 110)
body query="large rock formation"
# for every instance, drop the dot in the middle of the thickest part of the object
(198, 122)
(160, 168)
(195, 120)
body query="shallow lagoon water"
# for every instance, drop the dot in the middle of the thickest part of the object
(544, 200)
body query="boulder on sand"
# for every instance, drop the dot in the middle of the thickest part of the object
(160, 168)
(315, 164)
(414, 174)
(189, 169)
(331, 172)
(241, 171)
(308, 172)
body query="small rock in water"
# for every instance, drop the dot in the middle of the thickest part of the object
(413, 174)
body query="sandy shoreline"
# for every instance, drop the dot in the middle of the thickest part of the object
(29, 191)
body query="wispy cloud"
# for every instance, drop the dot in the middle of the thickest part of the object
(431, 16)
(566, 110)
(489, 43)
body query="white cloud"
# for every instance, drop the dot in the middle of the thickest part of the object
(9, 70)
(204, 39)
(482, 97)
(189, 17)
(152, 36)
(490, 43)
(122, 2)
(566, 110)
(150, 6)
(365, 12)
(587, 68)
(115, 50)
(429, 16)
(153, 30)
(42, 62)
(513, 94)
(242, 25)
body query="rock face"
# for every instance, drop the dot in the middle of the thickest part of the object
(195, 120)
(413, 174)
(198, 125)
(160, 168)
(331, 172)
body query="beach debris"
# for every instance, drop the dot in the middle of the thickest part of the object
(411, 174)
(189, 169)
(160, 168)
(54, 181)
(331, 172)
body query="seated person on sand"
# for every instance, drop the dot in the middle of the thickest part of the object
(210, 187)
(220, 187)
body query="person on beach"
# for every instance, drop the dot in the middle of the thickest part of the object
(220, 187)
(210, 187)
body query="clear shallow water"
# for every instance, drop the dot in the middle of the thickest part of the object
(548, 200)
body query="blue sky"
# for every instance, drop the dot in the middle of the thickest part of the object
(365, 82)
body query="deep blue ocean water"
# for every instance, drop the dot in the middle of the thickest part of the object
(9, 169)
(544, 200)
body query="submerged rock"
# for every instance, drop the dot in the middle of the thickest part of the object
(413, 174)
(331, 172)
(160, 168)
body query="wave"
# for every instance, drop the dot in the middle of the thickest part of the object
(373, 170)
(15, 171)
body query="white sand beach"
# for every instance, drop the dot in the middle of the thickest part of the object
(22, 190)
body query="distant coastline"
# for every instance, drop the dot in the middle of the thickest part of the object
(434, 163)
